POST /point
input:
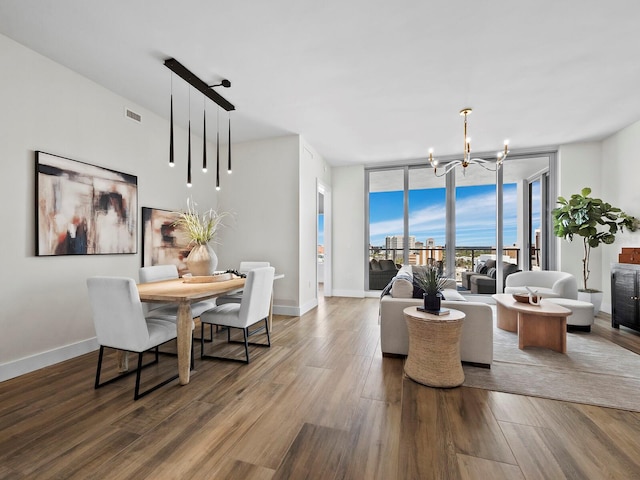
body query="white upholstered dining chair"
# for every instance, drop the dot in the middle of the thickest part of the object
(243, 269)
(120, 324)
(252, 309)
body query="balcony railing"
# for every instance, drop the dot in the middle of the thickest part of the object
(466, 258)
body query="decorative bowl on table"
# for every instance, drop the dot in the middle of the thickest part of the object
(524, 297)
(216, 277)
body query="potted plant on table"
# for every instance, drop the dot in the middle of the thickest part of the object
(430, 281)
(596, 222)
(200, 230)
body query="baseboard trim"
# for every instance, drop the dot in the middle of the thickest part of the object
(349, 293)
(285, 310)
(51, 357)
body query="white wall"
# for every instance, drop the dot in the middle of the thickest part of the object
(312, 169)
(620, 175)
(579, 167)
(272, 194)
(262, 194)
(606, 168)
(45, 313)
(348, 231)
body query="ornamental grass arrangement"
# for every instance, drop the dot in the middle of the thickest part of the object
(199, 229)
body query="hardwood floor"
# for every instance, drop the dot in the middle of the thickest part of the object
(321, 403)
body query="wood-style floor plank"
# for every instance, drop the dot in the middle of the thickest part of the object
(474, 468)
(322, 402)
(314, 454)
(473, 426)
(427, 450)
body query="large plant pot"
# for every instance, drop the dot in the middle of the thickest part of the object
(202, 260)
(591, 297)
(432, 302)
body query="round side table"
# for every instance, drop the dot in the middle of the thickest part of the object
(434, 348)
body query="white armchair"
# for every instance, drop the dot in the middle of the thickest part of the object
(547, 283)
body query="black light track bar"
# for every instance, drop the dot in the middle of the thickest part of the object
(189, 77)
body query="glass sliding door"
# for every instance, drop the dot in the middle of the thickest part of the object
(416, 218)
(427, 218)
(535, 226)
(475, 214)
(386, 213)
(523, 229)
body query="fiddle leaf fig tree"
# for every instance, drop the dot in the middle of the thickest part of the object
(592, 219)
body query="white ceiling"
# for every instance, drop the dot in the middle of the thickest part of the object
(363, 81)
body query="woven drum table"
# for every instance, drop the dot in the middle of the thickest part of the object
(434, 348)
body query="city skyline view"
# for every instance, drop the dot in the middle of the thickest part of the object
(475, 215)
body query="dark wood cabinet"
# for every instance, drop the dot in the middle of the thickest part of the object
(625, 295)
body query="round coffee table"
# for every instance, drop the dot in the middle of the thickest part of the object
(434, 348)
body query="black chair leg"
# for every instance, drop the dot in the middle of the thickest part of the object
(202, 340)
(138, 372)
(245, 332)
(266, 326)
(97, 384)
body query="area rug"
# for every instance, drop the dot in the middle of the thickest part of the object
(594, 371)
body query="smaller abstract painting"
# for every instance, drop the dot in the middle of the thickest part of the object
(83, 209)
(162, 243)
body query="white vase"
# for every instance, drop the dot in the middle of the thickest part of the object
(202, 260)
(592, 297)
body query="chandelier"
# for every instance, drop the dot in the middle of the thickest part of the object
(466, 158)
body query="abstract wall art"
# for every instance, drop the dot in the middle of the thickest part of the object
(83, 209)
(162, 242)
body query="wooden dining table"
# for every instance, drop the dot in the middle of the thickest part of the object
(184, 294)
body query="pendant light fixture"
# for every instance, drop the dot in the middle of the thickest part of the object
(207, 90)
(218, 150)
(229, 145)
(204, 136)
(171, 162)
(189, 146)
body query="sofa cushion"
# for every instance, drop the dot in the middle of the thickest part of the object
(387, 265)
(481, 268)
(449, 294)
(402, 288)
(374, 265)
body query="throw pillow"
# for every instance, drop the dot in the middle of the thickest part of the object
(491, 272)
(481, 268)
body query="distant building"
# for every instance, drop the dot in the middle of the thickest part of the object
(396, 242)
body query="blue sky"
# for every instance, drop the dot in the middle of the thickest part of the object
(475, 215)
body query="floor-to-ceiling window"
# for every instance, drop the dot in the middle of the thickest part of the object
(414, 217)
(427, 218)
(475, 217)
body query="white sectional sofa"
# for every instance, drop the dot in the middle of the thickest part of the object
(476, 343)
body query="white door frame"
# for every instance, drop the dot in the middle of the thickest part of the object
(325, 190)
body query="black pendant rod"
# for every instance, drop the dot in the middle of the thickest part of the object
(229, 146)
(189, 146)
(204, 140)
(218, 152)
(171, 159)
(189, 77)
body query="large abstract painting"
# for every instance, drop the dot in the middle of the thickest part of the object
(83, 209)
(162, 243)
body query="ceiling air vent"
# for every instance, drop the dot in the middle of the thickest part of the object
(131, 115)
